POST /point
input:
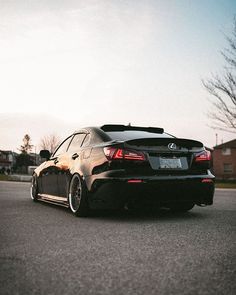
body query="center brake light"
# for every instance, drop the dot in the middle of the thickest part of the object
(203, 156)
(113, 153)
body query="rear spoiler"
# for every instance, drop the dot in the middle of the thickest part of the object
(117, 127)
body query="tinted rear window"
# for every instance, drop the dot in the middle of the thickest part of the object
(133, 134)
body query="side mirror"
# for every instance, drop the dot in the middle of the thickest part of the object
(45, 154)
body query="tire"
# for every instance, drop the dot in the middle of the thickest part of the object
(34, 188)
(78, 197)
(181, 207)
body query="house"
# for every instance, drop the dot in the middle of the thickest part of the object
(7, 161)
(224, 160)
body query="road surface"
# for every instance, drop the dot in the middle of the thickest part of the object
(45, 250)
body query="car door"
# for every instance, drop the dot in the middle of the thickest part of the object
(52, 169)
(66, 162)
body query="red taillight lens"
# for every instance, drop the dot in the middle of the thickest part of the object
(203, 156)
(134, 155)
(118, 154)
(109, 152)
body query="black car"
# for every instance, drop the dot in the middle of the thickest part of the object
(118, 166)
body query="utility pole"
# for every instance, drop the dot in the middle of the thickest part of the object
(35, 155)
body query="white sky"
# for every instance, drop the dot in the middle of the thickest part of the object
(69, 64)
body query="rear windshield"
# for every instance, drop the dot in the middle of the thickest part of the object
(133, 134)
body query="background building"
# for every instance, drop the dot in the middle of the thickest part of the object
(7, 161)
(224, 160)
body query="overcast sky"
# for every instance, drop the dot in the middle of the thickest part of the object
(68, 64)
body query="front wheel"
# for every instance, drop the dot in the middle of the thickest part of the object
(78, 199)
(34, 188)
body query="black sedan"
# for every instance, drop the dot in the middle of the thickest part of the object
(118, 166)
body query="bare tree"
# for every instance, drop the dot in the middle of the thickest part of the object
(49, 142)
(223, 90)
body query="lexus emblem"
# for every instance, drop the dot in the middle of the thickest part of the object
(172, 146)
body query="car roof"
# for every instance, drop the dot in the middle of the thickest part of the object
(100, 134)
(96, 132)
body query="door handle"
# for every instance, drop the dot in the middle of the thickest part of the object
(75, 156)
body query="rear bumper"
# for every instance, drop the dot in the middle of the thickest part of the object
(114, 193)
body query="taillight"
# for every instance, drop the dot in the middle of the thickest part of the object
(203, 156)
(119, 154)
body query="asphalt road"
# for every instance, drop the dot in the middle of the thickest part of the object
(45, 250)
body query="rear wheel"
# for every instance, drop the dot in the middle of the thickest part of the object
(78, 199)
(181, 207)
(34, 188)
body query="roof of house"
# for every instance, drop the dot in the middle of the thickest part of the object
(230, 144)
(5, 152)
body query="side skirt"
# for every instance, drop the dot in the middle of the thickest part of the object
(53, 200)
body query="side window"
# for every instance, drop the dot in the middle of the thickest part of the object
(62, 148)
(86, 140)
(76, 142)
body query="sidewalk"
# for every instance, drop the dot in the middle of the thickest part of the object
(16, 177)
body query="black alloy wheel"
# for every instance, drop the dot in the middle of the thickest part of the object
(78, 199)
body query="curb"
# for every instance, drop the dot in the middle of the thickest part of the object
(23, 178)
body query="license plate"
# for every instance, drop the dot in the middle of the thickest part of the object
(170, 163)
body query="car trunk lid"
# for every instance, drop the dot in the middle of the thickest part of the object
(167, 154)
